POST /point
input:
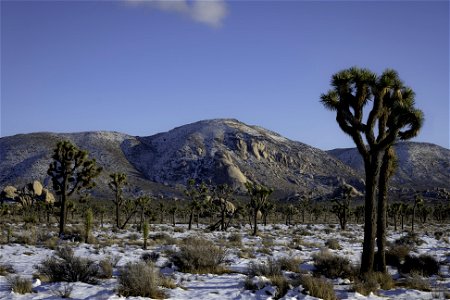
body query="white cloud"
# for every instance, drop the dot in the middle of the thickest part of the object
(209, 12)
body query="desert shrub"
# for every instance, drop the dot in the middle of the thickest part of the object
(163, 238)
(282, 285)
(52, 243)
(105, 268)
(333, 244)
(289, 263)
(140, 279)
(249, 284)
(198, 255)
(372, 282)
(179, 229)
(133, 236)
(318, 287)
(396, 254)
(270, 268)
(302, 231)
(65, 266)
(333, 266)
(411, 239)
(6, 268)
(19, 284)
(168, 282)
(114, 260)
(417, 282)
(150, 256)
(438, 235)
(235, 239)
(64, 291)
(424, 264)
(267, 242)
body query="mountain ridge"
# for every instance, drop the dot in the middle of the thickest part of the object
(216, 150)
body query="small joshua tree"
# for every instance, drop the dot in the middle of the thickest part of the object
(259, 195)
(71, 171)
(88, 224)
(117, 184)
(145, 234)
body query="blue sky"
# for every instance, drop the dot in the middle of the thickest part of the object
(143, 67)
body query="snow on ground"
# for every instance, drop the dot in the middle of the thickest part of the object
(274, 241)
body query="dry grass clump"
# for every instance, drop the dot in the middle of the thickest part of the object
(282, 285)
(371, 283)
(163, 238)
(417, 282)
(270, 268)
(424, 264)
(290, 263)
(197, 255)
(318, 287)
(235, 239)
(333, 266)
(150, 256)
(333, 244)
(19, 284)
(140, 279)
(65, 266)
(6, 268)
(105, 268)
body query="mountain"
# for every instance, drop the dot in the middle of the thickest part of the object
(217, 151)
(421, 166)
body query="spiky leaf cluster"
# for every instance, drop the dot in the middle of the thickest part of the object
(71, 169)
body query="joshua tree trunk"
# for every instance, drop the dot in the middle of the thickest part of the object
(62, 215)
(381, 213)
(255, 220)
(372, 167)
(191, 216)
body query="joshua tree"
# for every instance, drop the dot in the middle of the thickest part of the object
(196, 193)
(418, 200)
(71, 170)
(259, 195)
(305, 205)
(289, 211)
(117, 184)
(341, 206)
(395, 211)
(142, 203)
(222, 195)
(392, 116)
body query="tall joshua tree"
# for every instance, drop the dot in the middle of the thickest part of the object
(391, 117)
(117, 184)
(259, 196)
(71, 170)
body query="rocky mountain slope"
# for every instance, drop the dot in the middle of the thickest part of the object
(421, 166)
(219, 151)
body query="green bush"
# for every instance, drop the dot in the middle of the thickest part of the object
(20, 285)
(140, 279)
